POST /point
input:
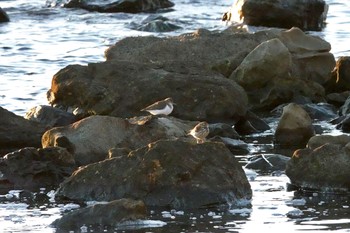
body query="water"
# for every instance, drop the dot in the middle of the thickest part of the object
(39, 41)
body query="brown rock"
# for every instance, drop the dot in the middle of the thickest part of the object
(173, 174)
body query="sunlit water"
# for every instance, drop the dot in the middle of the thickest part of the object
(39, 41)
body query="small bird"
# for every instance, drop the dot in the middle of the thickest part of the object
(200, 131)
(162, 107)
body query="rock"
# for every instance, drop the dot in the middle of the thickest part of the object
(345, 108)
(279, 70)
(344, 124)
(223, 130)
(320, 111)
(236, 146)
(17, 132)
(31, 168)
(295, 126)
(50, 116)
(102, 215)
(155, 24)
(251, 123)
(340, 80)
(319, 140)
(338, 99)
(325, 168)
(91, 138)
(305, 14)
(311, 55)
(3, 16)
(270, 59)
(123, 88)
(172, 174)
(267, 163)
(128, 6)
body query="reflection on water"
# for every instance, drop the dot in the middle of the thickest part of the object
(40, 41)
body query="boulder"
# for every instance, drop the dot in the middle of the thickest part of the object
(311, 55)
(305, 14)
(325, 168)
(123, 88)
(128, 6)
(31, 168)
(100, 216)
(91, 138)
(340, 80)
(320, 140)
(338, 99)
(50, 116)
(294, 127)
(344, 123)
(3, 16)
(17, 132)
(169, 174)
(267, 163)
(291, 66)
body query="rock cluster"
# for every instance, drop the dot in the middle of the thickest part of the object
(95, 133)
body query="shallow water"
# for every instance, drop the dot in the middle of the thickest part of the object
(39, 41)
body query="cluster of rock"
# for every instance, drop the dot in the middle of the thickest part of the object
(101, 147)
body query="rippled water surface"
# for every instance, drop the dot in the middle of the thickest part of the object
(39, 41)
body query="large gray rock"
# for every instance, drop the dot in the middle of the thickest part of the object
(31, 168)
(173, 174)
(101, 216)
(325, 168)
(91, 138)
(295, 126)
(123, 88)
(320, 140)
(305, 14)
(17, 132)
(128, 6)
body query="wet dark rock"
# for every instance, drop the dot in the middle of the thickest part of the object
(100, 216)
(236, 146)
(3, 16)
(173, 174)
(155, 24)
(340, 80)
(222, 130)
(267, 163)
(338, 99)
(344, 124)
(305, 14)
(123, 88)
(128, 6)
(91, 138)
(321, 111)
(325, 168)
(295, 126)
(345, 108)
(250, 124)
(50, 116)
(31, 168)
(17, 132)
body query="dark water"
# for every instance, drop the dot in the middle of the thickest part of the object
(39, 41)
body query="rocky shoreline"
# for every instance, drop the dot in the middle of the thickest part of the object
(94, 144)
